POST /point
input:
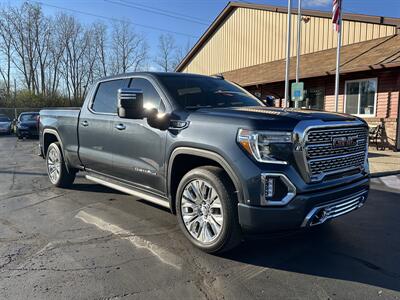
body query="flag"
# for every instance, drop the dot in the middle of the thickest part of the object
(336, 11)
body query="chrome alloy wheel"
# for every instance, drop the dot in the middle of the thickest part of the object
(202, 211)
(53, 165)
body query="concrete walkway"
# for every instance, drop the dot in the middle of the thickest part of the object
(383, 163)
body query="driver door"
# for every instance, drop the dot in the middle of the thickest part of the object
(139, 149)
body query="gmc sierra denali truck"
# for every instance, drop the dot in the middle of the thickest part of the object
(212, 153)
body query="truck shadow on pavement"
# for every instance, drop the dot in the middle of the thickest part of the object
(360, 247)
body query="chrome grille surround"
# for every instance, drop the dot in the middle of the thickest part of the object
(317, 158)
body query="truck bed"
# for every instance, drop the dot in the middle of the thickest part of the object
(65, 122)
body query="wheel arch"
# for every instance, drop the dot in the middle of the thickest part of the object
(205, 157)
(51, 136)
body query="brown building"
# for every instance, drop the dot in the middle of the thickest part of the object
(246, 43)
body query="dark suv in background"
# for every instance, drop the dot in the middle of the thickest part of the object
(5, 125)
(27, 125)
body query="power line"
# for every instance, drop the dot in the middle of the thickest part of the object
(157, 11)
(115, 19)
(169, 11)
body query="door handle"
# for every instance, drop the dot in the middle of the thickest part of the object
(120, 127)
(85, 123)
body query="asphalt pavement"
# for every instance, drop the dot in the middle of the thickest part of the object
(91, 242)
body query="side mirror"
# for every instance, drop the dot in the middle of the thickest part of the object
(130, 103)
(157, 120)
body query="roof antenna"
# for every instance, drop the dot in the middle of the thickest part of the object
(220, 76)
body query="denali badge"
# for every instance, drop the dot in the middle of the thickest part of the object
(343, 141)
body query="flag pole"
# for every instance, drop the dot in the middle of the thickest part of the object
(298, 46)
(339, 44)
(289, 27)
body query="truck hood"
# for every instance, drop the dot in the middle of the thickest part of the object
(270, 113)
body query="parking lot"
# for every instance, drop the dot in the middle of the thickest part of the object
(90, 242)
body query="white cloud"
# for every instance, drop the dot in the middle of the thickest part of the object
(311, 3)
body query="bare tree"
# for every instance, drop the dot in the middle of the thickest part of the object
(166, 49)
(129, 49)
(42, 33)
(6, 49)
(180, 53)
(60, 56)
(100, 39)
(75, 43)
(56, 49)
(22, 42)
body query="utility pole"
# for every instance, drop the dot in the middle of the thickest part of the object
(298, 45)
(289, 25)
(15, 99)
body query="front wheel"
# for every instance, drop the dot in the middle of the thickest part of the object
(207, 209)
(56, 168)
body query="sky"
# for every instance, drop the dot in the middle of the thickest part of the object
(187, 20)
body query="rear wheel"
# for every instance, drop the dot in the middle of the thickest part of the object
(207, 209)
(56, 168)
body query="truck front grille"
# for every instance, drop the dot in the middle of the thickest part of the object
(335, 150)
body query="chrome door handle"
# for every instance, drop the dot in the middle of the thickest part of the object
(120, 127)
(85, 123)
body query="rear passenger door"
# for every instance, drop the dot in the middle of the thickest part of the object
(95, 127)
(139, 149)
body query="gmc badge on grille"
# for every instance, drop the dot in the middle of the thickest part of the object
(344, 141)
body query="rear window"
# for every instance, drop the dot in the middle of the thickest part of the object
(192, 92)
(4, 119)
(28, 117)
(105, 100)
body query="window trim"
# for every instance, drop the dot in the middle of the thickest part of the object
(154, 85)
(93, 97)
(359, 97)
(92, 94)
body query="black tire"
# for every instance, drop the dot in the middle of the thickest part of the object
(19, 137)
(65, 178)
(230, 234)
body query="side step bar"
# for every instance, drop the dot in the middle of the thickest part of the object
(130, 191)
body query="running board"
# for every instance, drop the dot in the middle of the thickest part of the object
(130, 191)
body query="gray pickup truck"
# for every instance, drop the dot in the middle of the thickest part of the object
(212, 153)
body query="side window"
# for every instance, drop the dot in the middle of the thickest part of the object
(105, 100)
(151, 98)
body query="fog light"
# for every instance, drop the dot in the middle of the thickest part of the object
(276, 189)
(269, 187)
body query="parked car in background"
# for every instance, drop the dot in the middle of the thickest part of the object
(27, 125)
(5, 125)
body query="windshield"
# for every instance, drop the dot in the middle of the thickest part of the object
(28, 117)
(4, 119)
(193, 92)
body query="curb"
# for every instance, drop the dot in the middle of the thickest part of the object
(382, 174)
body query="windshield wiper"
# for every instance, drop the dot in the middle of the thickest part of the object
(228, 92)
(194, 107)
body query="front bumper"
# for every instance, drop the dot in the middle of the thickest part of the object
(5, 129)
(295, 213)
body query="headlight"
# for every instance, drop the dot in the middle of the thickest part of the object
(260, 144)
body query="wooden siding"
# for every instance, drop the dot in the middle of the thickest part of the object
(251, 37)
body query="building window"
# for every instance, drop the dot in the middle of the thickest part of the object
(314, 98)
(361, 97)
